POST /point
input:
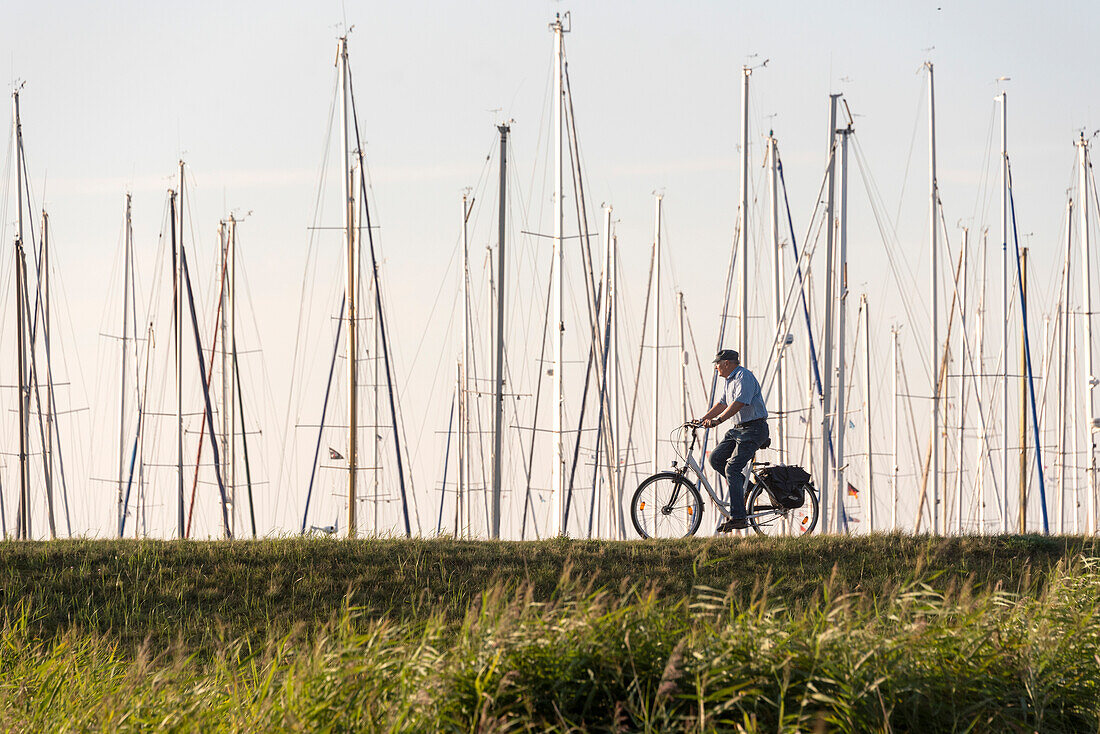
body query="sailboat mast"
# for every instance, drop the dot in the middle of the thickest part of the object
(1023, 472)
(17, 131)
(897, 430)
(126, 254)
(1075, 446)
(683, 360)
(618, 517)
(498, 401)
(557, 524)
(47, 448)
(230, 308)
(23, 527)
(933, 195)
(606, 517)
(743, 250)
(1004, 303)
(1089, 384)
(463, 378)
(777, 302)
(1064, 339)
(352, 294)
(979, 462)
(656, 298)
(868, 482)
(177, 247)
(376, 439)
(827, 342)
(841, 345)
(144, 394)
(962, 389)
(460, 485)
(223, 246)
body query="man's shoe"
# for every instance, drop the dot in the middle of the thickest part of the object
(737, 523)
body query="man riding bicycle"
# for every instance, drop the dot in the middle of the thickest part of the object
(740, 401)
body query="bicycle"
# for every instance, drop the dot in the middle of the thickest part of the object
(668, 504)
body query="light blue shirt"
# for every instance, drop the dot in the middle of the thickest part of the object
(742, 387)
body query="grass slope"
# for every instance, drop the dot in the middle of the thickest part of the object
(887, 633)
(201, 593)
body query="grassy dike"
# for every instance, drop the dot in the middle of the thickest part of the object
(840, 634)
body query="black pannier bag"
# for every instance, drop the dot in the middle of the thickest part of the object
(787, 483)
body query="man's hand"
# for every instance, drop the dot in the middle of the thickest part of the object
(709, 422)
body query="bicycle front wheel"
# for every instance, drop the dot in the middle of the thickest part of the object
(666, 506)
(768, 518)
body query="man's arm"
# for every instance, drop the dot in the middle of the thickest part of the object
(721, 413)
(714, 411)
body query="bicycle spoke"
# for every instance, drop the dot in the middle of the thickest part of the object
(666, 506)
(769, 518)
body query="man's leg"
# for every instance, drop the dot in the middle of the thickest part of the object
(748, 441)
(721, 453)
(717, 459)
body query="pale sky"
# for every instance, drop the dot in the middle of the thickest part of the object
(116, 93)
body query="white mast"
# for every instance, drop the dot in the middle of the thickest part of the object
(1004, 302)
(606, 526)
(351, 325)
(935, 358)
(894, 449)
(1075, 389)
(777, 287)
(613, 306)
(23, 527)
(811, 394)
(231, 304)
(683, 361)
(743, 254)
(179, 358)
(1090, 379)
(979, 462)
(557, 524)
(142, 396)
(868, 482)
(376, 464)
(498, 361)
(827, 341)
(1064, 338)
(656, 325)
(126, 243)
(47, 438)
(464, 379)
(460, 497)
(223, 328)
(962, 390)
(227, 393)
(841, 346)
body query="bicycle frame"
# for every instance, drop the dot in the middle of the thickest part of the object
(721, 505)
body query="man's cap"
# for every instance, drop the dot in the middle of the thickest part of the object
(724, 354)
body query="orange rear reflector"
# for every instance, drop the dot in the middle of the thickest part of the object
(691, 510)
(641, 506)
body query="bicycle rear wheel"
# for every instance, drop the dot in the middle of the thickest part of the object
(768, 518)
(666, 506)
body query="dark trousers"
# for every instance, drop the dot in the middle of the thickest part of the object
(731, 456)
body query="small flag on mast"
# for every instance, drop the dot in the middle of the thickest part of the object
(334, 454)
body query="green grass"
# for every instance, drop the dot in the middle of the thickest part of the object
(893, 633)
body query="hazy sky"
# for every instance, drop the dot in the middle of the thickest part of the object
(116, 93)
